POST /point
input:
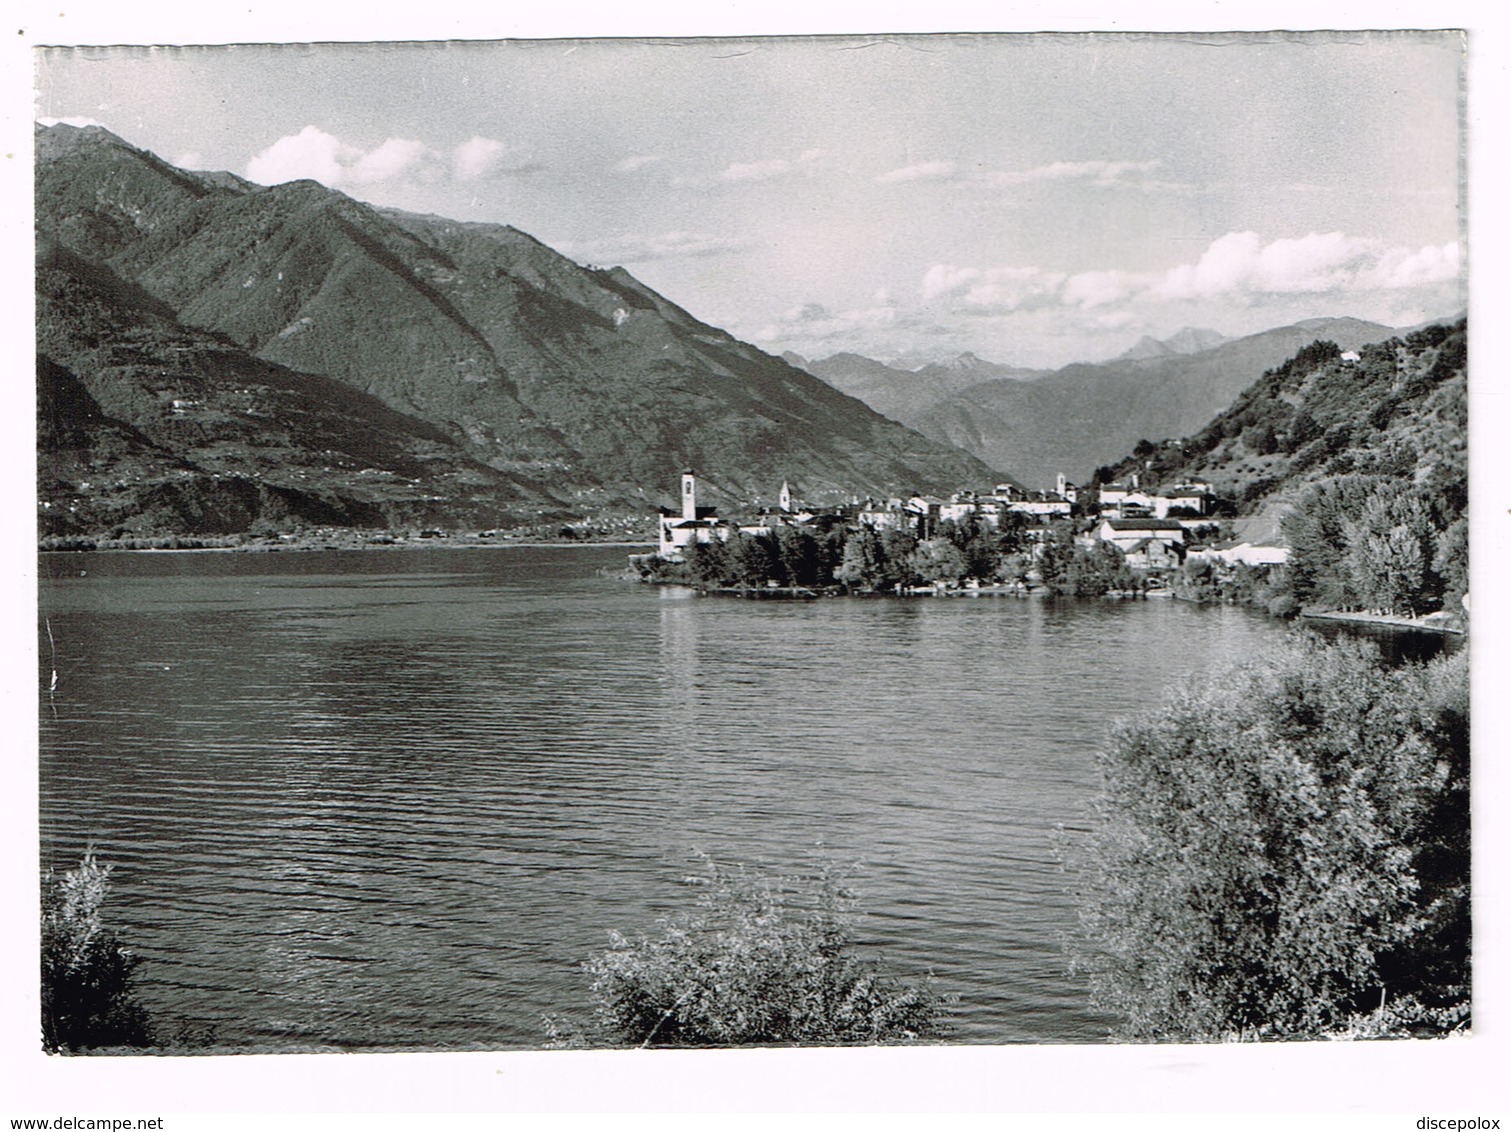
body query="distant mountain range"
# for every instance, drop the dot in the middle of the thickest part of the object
(1187, 341)
(905, 394)
(215, 355)
(1087, 414)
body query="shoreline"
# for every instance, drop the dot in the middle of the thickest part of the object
(814, 593)
(1442, 625)
(308, 545)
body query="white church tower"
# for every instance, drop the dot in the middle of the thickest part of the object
(689, 496)
(784, 497)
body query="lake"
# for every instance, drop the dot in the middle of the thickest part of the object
(393, 799)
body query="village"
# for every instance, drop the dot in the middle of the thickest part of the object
(1153, 532)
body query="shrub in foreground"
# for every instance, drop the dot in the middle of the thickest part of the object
(87, 993)
(761, 960)
(1283, 852)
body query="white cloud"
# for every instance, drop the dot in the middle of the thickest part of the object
(756, 170)
(1240, 264)
(1312, 263)
(635, 163)
(1114, 320)
(1237, 270)
(1226, 266)
(996, 290)
(743, 172)
(946, 279)
(1401, 267)
(1131, 174)
(811, 323)
(1097, 172)
(640, 249)
(312, 153)
(1089, 289)
(477, 157)
(395, 158)
(923, 171)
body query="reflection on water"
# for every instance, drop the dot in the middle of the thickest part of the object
(394, 799)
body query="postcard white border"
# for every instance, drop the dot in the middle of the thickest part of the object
(1458, 1078)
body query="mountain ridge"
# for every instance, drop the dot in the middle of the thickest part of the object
(1188, 340)
(1397, 409)
(1081, 415)
(572, 383)
(901, 394)
(1071, 420)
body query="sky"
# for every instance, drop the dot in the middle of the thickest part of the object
(1034, 199)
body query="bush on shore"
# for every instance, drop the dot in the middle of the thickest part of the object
(761, 960)
(1282, 852)
(88, 997)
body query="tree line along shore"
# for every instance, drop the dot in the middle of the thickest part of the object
(1059, 558)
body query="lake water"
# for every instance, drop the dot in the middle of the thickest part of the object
(393, 799)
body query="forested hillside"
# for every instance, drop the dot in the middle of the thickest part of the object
(1361, 457)
(149, 428)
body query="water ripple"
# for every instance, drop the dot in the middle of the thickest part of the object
(392, 801)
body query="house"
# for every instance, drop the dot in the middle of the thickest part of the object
(1195, 497)
(1124, 499)
(918, 514)
(1042, 504)
(1129, 500)
(959, 508)
(1112, 494)
(925, 509)
(967, 506)
(680, 529)
(886, 515)
(1153, 554)
(1125, 534)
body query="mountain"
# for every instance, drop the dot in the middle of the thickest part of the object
(1395, 408)
(904, 395)
(146, 427)
(1145, 348)
(525, 383)
(1192, 340)
(1187, 341)
(1085, 414)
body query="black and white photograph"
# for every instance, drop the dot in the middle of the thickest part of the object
(950, 540)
